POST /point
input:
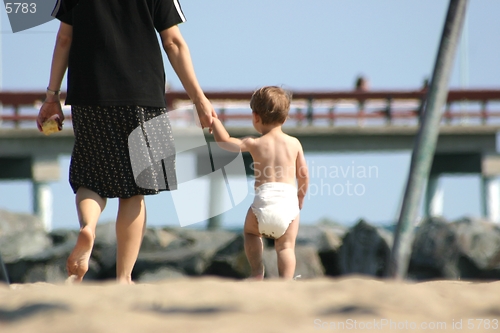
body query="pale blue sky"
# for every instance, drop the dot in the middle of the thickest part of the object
(302, 45)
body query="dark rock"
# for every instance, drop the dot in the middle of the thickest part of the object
(366, 250)
(61, 236)
(192, 259)
(230, 261)
(104, 251)
(479, 246)
(104, 256)
(469, 271)
(308, 263)
(17, 271)
(435, 251)
(327, 239)
(330, 260)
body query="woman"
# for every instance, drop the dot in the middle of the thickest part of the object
(116, 83)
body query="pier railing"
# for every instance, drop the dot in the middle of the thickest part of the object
(313, 108)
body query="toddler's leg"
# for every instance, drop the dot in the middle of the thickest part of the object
(285, 249)
(253, 246)
(130, 224)
(89, 206)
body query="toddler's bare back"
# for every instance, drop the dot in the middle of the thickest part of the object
(275, 158)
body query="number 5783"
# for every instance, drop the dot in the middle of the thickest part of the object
(20, 7)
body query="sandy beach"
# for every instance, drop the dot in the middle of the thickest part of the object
(348, 304)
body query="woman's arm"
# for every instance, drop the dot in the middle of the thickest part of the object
(180, 58)
(52, 104)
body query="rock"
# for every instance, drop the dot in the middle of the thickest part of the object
(61, 236)
(11, 223)
(104, 251)
(479, 246)
(191, 259)
(105, 233)
(160, 274)
(435, 251)
(466, 249)
(308, 263)
(323, 238)
(51, 273)
(330, 260)
(157, 239)
(21, 235)
(201, 238)
(230, 261)
(327, 239)
(16, 246)
(47, 266)
(365, 249)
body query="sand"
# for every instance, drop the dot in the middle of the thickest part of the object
(359, 304)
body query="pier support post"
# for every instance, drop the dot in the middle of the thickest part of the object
(490, 198)
(44, 169)
(42, 203)
(427, 137)
(216, 204)
(434, 197)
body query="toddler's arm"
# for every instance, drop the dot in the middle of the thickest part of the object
(302, 176)
(226, 141)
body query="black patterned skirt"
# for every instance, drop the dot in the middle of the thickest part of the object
(122, 151)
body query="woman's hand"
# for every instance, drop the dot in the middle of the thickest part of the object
(49, 109)
(206, 113)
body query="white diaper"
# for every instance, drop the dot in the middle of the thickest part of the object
(275, 205)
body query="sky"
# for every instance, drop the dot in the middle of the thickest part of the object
(301, 45)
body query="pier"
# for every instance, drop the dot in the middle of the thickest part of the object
(325, 122)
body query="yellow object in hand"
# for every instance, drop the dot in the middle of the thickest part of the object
(50, 126)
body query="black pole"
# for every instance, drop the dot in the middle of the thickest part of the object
(426, 140)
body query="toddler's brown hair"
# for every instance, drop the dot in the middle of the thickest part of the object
(271, 104)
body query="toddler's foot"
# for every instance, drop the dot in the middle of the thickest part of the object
(257, 276)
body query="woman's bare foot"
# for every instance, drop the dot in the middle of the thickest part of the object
(78, 261)
(125, 280)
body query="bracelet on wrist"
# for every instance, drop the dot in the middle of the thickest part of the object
(53, 92)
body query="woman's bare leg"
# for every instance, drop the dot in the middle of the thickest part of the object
(89, 206)
(285, 249)
(130, 224)
(253, 246)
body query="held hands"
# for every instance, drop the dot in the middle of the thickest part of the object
(50, 109)
(206, 113)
